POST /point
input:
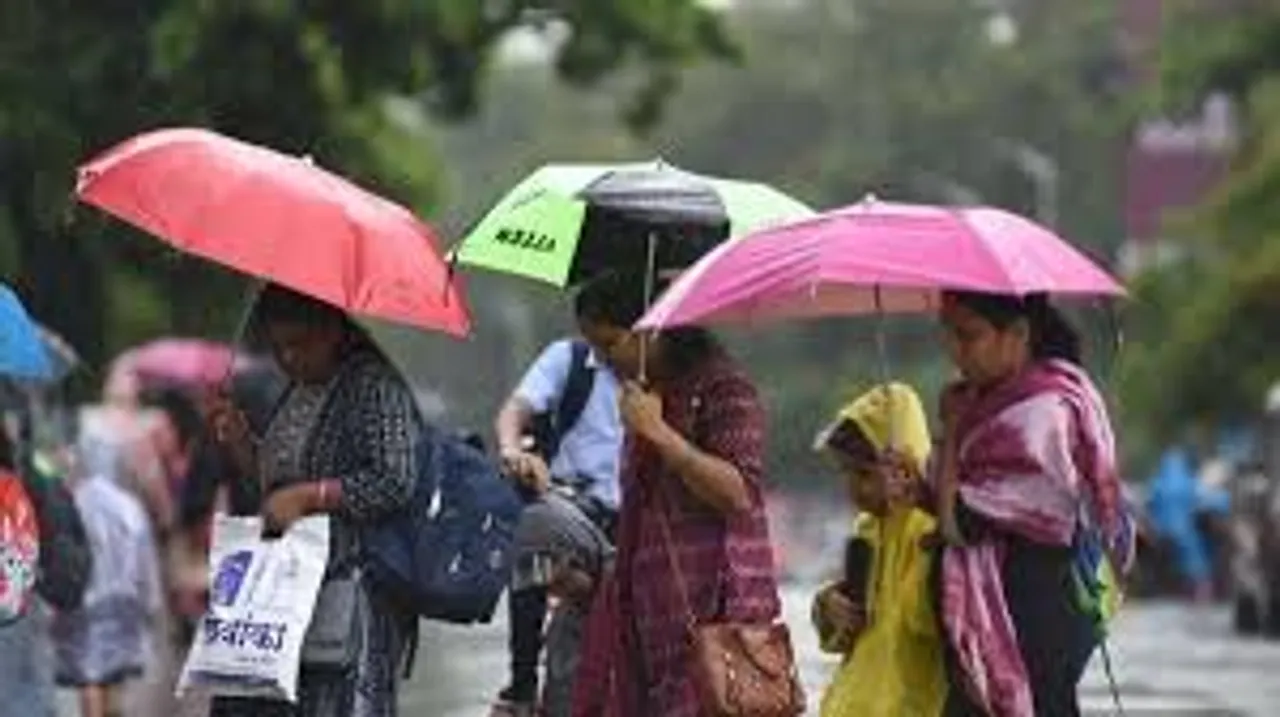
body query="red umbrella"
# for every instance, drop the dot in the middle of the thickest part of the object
(279, 218)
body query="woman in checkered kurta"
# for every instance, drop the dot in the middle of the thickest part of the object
(349, 427)
(635, 659)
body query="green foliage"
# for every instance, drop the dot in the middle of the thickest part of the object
(1209, 326)
(312, 76)
(1209, 47)
(828, 99)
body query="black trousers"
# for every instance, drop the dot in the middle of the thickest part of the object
(1055, 638)
(527, 612)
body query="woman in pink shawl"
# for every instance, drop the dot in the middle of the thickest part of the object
(694, 459)
(1027, 470)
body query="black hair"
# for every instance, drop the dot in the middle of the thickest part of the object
(182, 411)
(257, 390)
(848, 439)
(8, 454)
(1052, 336)
(278, 304)
(617, 298)
(614, 298)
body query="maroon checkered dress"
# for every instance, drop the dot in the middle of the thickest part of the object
(635, 654)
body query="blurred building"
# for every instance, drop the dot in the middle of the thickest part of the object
(1172, 163)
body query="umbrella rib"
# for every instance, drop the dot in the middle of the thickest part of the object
(979, 240)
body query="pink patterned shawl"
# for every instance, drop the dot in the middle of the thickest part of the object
(1034, 454)
(635, 651)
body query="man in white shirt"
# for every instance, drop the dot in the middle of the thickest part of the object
(560, 436)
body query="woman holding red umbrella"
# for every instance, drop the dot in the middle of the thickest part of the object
(339, 443)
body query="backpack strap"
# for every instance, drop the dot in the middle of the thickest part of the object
(577, 391)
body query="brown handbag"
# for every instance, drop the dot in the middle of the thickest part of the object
(739, 669)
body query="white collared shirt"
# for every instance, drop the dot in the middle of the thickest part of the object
(592, 447)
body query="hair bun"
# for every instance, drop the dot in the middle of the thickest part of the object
(1036, 303)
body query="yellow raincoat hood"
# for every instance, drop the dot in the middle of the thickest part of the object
(891, 413)
(895, 668)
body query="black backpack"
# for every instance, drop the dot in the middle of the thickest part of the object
(549, 428)
(66, 558)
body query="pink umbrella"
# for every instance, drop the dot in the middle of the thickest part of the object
(875, 256)
(190, 362)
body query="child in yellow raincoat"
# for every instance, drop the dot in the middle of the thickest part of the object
(883, 620)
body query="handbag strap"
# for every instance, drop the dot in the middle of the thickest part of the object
(663, 503)
(682, 588)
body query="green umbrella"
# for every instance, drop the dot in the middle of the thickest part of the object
(567, 222)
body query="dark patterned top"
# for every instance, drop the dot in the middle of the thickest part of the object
(727, 562)
(361, 430)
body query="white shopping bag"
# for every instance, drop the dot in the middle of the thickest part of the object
(261, 597)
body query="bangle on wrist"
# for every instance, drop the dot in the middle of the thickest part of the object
(325, 494)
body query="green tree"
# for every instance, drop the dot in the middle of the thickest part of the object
(298, 75)
(1206, 325)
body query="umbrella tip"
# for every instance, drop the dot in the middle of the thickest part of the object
(308, 160)
(869, 198)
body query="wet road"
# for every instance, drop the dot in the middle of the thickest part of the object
(1169, 660)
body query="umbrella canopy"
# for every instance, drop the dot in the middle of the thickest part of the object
(281, 219)
(876, 256)
(181, 361)
(568, 222)
(63, 358)
(23, 354)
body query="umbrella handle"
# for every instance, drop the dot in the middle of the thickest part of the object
(882, 358)
(651, 268)
(241, 329)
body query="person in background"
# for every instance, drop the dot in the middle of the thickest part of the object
(560, 435)
(175, 434)
(214, 482)
(104, 643)
(122, 419)
(1173, 504)
(693, 538)
(1213, 518)
(26, 675)
(880, 617)
(123, 422)
(1027, 480)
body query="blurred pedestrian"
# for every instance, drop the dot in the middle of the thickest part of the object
(1176, 500)
(104, 643)
(26, 684)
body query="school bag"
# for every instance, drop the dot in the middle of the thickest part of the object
(66, 557)
(549, 428)
(447, 555)
(1098, 589)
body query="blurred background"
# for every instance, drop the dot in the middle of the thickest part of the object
(1148, 131)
